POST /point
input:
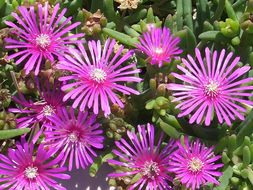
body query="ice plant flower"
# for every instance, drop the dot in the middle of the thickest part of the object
(95, 78)
(159, 45)
(194, 164)
(212, 85)
(33, 113)
(74, 138)
(41, 36)
(24, 169)
(144, 158)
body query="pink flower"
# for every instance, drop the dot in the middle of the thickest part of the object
(96, 77)
(34, 113)
(41, 36)
(145, 158)
(159, 45)
(194, 164)
(212, 86)
(74, 138)
(24, 169)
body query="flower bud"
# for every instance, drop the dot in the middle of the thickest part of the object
(93, 23)
(235, 181)
(5, 98)
(152, 84)
(247, 22)
(161, 90)
(2, 123)
(230, 28)
(109, 133)
(235, 41)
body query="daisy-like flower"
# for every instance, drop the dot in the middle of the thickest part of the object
(74, 138)
(33, 113)
(194, 164)
(96, 77)
(159, 45)
(145, 158)
(212, 85)
(24, 169)
(41, 36)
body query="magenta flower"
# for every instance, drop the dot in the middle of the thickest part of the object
(194, 164)
(24, 169)
(144, 158)
(95, 77)
(212, 85)
(41, 36)
(74, 138)
(159, 45)
(33, 113)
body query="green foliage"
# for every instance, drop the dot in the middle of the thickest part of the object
(117, 127)
(237, 157)
(98, 162)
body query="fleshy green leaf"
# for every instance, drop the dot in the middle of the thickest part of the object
(209, 35)
(121, 37)
(7, 134)
(224, 179)
(245, 127)
(169, 130)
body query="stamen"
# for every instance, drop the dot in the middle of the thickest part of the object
(150, 169)
(158, 51)
(98, 75)
(73, 137)
(43, 41)
(31, 172)
(48, 110)
(212, 89)
(150, 26)
(195, 165)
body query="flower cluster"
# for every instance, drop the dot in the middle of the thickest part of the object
(145, 158)
(194, 165)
